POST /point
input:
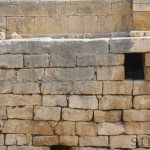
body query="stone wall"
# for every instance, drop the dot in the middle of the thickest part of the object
(73, 92)
(44, 17)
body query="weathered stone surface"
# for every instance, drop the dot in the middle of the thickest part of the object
(19, 100)
(54, 100)
(86, 129)
(25, 112)
(137, 127)
(141, 102)
(26, 88)
(110, 102)
(99, 60)
(110, 73)
(76, 115)
(1, 139)
(6, 75)
(83, 102)
(136, 33)
(143, 141)
(18, 139)
(110, 128)
(147, 59)
(3, 114)
(27, 148)
(47, 113)
(93, 141)
(56, 87)
(36, 60)
(45, 140)
(107, 116)
(69, 140)
(27, 127)
(11, 61)
(141, 88)
(30, 74)
(5, 88)
(147, 73)
(119, 87)
(65, 128)
(71, 74)
(123, 141)
(87, 87)
(136, 115)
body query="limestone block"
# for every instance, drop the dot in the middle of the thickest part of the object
(6, 74)
(45, 140)
(147, 59)
(69, 140)
(3, 114)
(124, 87)
(141, 102)
(76, 115)
(54, 100)
(65, 128)
(115, 102)
(5, 88)
(11, 61)
(107, 116)
(87, 87)
(83, 102)
(136, 33)
(47, 113)
(26, 88)
(36, 60)
(56, 87)
(2, 35)
(25, 112)
(69, 74)
(40, 23)
(27, 127)
(86, 129)
(143, 141)
(110, 128)
(20, 100)
(147, 73)
(110, 73)
(122, 141)
(27, 148)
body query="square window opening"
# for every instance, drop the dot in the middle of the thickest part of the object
(134, 67)
(59, 147)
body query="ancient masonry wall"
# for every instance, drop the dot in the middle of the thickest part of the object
(41, 17)
(74, 93)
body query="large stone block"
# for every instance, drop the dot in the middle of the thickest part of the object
(115, 102)
(1, 139)
(27, 127)
(11, 61)
(87, 87)
(69, 140)
(47, 113)
(3, 114)
(28, 148)
(5, 88)
(76, 115)
(6, 75)
(107, 116)
(147, 59)
(69, 74)
(83, 102)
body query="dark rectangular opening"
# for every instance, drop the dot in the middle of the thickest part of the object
(59, 147)
(134, 68)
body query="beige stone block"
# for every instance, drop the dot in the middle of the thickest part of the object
(49, 10)
(83, 102)
(147, 59)
(1, 139)
(26, 88)
(122, 141)
(27, 127)
(3, 114)
(111, 73)
(147, 73)
(90, 24)
(2, 23)
(110, 102)
(137, 127)
(18, 139)
(20, 112)
(45, 140)
(20, 100)
(30, 75)
(3, 147)
(93, 141)
(102, 8)
(21, 25)
(136, 115)
(28, 148)
(65, 128)
(76, 115)
(87, 87)
(136, 33)
(143, 141)
(5, 88)
(2, 35)
(54, 100)
(86, 129)
(40, 25)
(57, 25)
(76, 24)
(69, 140)
(110, 128)
(124, 87)
(47, 113)
(107, 116)
(141, 102)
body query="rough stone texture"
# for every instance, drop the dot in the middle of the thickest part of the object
(6, 75)
(69, 140)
